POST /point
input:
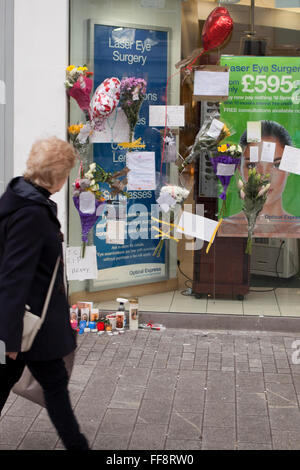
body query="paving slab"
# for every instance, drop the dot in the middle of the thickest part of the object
(178, 389)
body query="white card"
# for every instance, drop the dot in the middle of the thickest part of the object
(117, 211)
(116, 129)
(196, 226)
(254, 131)
(115, 232)
(290, 160)
(165, 201)
(253, 153)
(87, 202)
(142, 171)
(215, 128)
(2, 92)
(211, 83)
(175, 116)
(268, 152)
(225, 169)
(78, 268)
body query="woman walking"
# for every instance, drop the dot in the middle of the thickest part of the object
(30, 243)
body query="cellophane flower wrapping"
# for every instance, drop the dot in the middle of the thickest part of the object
(254, 195)
(81, 91)
(88, 220)
(133, 92)
(81, 146)
(204, 141)
(178, 194)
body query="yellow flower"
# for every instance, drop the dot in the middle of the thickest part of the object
(226, 130)
(70, 68)
(222, 148)
(75, 129)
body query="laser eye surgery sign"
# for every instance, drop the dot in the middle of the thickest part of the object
(263, 109)
(125, 51)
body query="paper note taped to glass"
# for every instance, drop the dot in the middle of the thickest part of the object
(211, 82)
(142, 171)
(199, 227)
(81, 268)
(171, 116)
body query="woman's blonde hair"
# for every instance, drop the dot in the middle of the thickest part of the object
(50, 161)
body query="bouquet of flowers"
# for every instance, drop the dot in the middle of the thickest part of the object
(225, 161)
(79, 85)
(88, 197)
(205, 140)
(171, 198)
(254, 195)
(133, 92)
(82, 146)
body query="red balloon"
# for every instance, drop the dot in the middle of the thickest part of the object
(217, 28)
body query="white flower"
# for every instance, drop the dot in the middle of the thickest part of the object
(95, 187)
(263, 190)
(89, 175)
(73, 72)
(92, 183)
(177, 193)
(240, 184)
(232, 149)
(92, 167)
(239, 149)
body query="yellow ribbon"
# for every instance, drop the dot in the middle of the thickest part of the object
(213, 235)
(136, 144)
(164, 233)
(167, 223)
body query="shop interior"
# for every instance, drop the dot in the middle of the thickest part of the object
(226, 280)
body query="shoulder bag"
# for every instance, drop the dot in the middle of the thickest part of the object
(32, 323)
(27, 386)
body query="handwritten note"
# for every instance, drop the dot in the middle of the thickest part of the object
(215, 128)
(253, 131)
(166, 201)
(79, 268)
(115, 232)
(196, 226)
(225, 169)
(142, 171)
(87, 202)
(254, 153)
(268, 152)
(211, 83)
(175, 116)
(290, 160)
(117, 211)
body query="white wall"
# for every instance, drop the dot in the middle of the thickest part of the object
(40, 57)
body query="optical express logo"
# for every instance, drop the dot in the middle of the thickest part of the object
(2, 352)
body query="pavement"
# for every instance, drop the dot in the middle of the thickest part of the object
(176, 389)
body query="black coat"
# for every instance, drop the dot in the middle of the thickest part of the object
(30, 242)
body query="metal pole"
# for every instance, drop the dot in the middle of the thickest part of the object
(252, 17)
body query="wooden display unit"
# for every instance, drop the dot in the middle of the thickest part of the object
(225, 269)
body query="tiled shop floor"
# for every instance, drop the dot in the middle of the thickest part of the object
(260, 301)
(174, 389)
